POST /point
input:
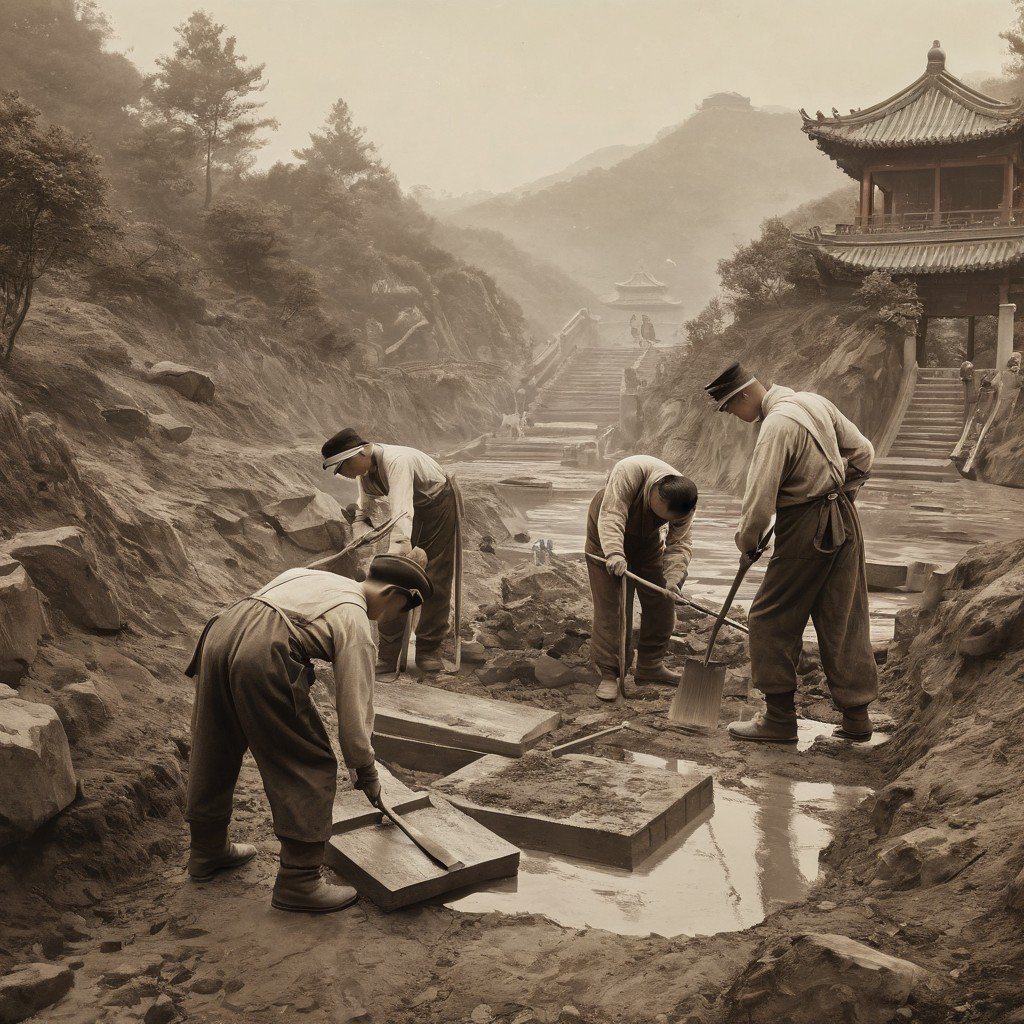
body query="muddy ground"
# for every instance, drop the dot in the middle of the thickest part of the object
(104, 891)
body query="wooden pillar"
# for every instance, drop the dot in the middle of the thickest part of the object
(970, 338)
(1008, 192)
(1004, 339)
(922, 333)
(1004, 292)
(865, 197)
(938, 185)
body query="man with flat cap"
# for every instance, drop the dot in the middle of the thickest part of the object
(808, 464)
(640, 520)
(254, 669)
(418, 490)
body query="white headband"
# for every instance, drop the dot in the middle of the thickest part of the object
(732, 394)
(336, 460)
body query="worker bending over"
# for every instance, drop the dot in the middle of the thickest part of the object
(626, 527)
(807, 466)
(418, 490)
(254, 670)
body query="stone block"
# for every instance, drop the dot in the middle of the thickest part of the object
(552, 673)
(22, 622)
(924, 857)
(37, 779)
(31, 988)
(314, 522)
(190, 383)
(62, 567)
(816, 978)
(171, 429)
(127, 421)
(886, 575)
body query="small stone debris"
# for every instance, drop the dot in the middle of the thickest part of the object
(206, 986)
(171, 429)
(162, 1011)
(926, 856)
(27, 990)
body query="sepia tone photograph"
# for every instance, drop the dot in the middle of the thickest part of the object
(511, 512)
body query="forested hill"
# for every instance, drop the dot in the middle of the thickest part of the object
(326, 246)
(677, 206)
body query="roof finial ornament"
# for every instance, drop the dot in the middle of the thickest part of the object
(936, 58)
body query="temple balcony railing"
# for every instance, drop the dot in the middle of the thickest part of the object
(932, 220)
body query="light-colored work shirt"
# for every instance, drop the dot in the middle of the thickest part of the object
(328, 617)
(407, 477)
(789, 465)
(629, 479)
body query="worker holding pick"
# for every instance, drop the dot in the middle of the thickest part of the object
(807, 466)
(639, 521)
(254, 674)
(427, 503)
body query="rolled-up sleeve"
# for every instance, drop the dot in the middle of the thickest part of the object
(624, 481)
(767, 467)
(355, 656)
(678, 549)
(401, 491)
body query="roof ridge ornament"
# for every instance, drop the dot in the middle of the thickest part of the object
(936, 59)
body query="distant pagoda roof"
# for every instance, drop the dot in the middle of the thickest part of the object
(643, 292)
(946, 256)
(936, 109)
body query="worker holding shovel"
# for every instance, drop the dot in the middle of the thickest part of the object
(626, 527)
(807, 466)
(425, 501)
(253, 663)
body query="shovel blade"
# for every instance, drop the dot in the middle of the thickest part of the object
(698, 699)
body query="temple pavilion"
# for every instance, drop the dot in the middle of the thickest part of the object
(642, 293)
(941, 173)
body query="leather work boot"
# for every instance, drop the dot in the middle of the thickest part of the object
(658, 674)
(304, 890)
(776, 725)
(856, 725)
(429, 663)
(211, 852)
(608, 688)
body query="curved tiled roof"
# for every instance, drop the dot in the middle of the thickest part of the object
(935, 109)
(939, 257)
(641, 279)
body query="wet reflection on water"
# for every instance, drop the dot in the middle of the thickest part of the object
(755, 849)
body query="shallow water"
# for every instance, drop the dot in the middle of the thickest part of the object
(756, 848)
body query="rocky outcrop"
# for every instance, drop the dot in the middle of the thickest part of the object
(62, 566)
(816, 978)
(993, 617)
(925, 857)
(37, 779)
(22, 622)
(31, 988)
(171, 429)
(81, 709)
(190, 383)
(313, 522)
(127, 421)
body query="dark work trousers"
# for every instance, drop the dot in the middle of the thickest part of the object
(829, 588)
(252, 692)
(644, 549)
(433, 530)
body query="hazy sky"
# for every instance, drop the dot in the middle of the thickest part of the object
(488, 94)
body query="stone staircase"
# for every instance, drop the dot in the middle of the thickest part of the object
(586, 390)
(930, 429)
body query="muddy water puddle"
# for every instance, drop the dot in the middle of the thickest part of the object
(755, 849)
(904, 521)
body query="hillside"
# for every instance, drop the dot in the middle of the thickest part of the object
(688, 198)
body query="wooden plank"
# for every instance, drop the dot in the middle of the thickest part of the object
(421, 756)
(384, 865)
(618, 813)
(459, 720)
(349, 803)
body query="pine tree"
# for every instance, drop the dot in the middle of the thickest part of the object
(206, 85)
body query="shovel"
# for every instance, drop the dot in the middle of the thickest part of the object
(435, 851)
(698, 699)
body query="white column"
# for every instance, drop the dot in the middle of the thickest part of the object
(1004, 339)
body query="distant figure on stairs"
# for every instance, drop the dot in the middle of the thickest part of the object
(647, 331)
(634, 328)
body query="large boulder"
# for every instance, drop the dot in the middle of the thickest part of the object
(925, 856)
(62, 567)
(31, 988)
(127, 421)
(314, 522)
(37, 779)
(171, 429)
(81, 709)
(816, 978)
(22, 623)
(190, 383)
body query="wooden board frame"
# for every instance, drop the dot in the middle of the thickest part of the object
(386, 867)
(459, 720)
(421, 756)
(564, 837)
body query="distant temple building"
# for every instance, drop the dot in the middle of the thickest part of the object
(725, 101)
(941, 171)
(642, 293)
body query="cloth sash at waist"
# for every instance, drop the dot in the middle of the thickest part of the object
(830, 534)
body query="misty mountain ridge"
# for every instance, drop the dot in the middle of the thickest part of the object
(676, 206)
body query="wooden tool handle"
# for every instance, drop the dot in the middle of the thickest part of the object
(582, 741)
